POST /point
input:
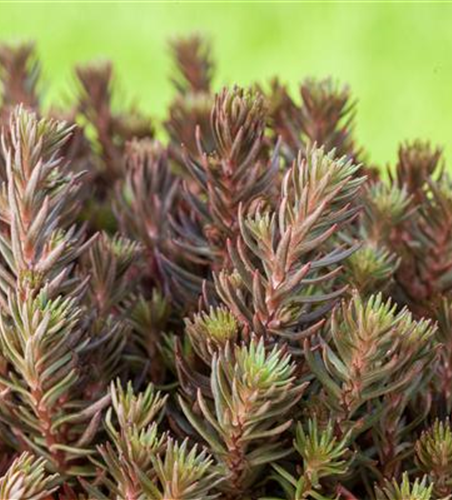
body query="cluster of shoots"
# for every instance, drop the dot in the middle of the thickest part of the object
(232, 304)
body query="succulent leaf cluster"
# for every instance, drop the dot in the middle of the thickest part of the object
(233, 304)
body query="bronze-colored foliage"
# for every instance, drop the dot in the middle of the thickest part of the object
(239, 310)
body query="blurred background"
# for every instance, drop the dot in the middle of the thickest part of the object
(397, 58)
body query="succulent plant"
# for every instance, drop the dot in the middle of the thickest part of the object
(243, 308)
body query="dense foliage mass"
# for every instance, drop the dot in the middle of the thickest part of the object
(246, 309)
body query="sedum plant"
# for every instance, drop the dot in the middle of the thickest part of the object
(434, 456)
(232, 304)
(252, 394)
(27, 478)
(419, 490)
(322, 456)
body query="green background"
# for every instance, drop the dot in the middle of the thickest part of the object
(396, 57)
